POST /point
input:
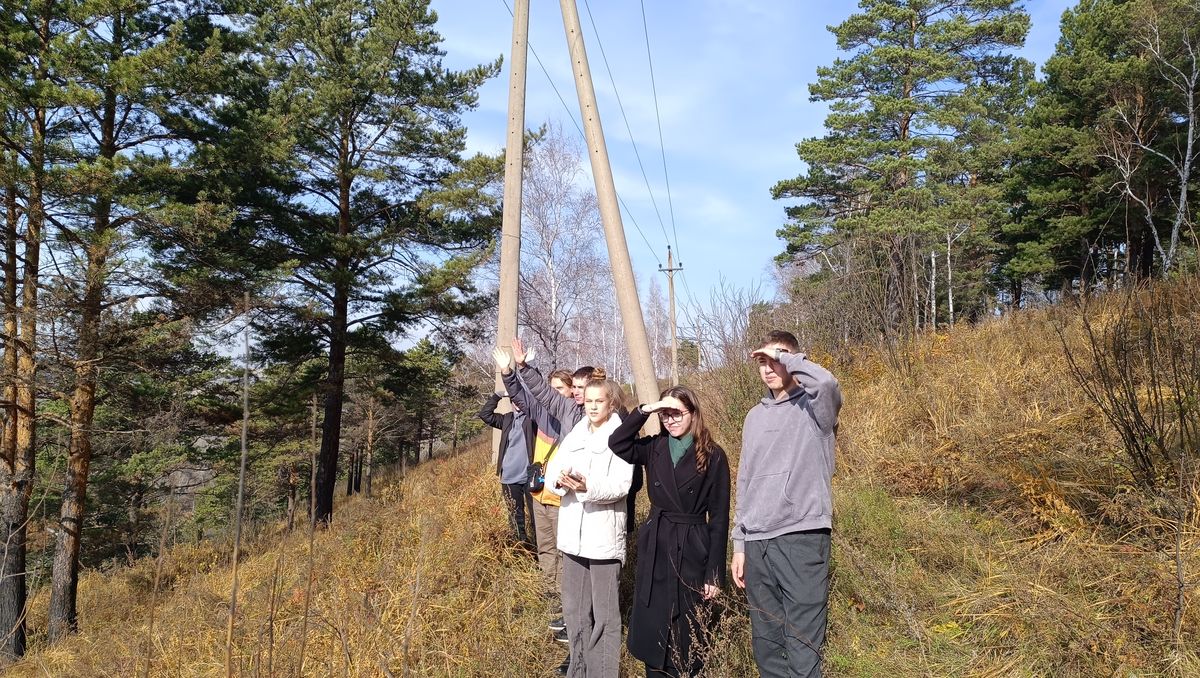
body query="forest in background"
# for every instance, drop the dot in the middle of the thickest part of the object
(163, 163)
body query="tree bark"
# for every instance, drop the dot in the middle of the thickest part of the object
(12, 215)
(370, 451)
(331, 426)
(64, 583)
(16, 475)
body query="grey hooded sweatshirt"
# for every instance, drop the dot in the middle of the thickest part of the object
(784, 479)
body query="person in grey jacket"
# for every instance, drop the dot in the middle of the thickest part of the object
(517, 435)
(784, 512)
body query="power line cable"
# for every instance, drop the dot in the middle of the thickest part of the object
(691, 297)
(628, 128)
(658, 118)
(579, 129)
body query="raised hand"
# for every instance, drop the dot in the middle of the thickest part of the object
(766, 355)
(503, 360)
(668, 403)
(519, 353)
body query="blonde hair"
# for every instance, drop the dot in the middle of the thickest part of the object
(612, 389)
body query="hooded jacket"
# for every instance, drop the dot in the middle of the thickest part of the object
(784, 478)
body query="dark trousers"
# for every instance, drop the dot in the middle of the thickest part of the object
(518, 500)
(787, 587)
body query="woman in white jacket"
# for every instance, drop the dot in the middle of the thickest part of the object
(593, 484)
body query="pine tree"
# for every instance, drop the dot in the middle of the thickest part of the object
(1064, 211)
(912, 113)
(135, 71)
(384, 221)
(32, 133)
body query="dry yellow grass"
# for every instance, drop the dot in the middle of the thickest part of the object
(417, 581)
(982, 529)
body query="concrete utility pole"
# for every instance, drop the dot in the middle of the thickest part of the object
(610, 215)
(670, 271)
(514, 163)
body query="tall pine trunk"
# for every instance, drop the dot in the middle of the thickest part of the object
(16, 479)
(331, 426)
(335, 379)
(64, 580)
(11, 601)
(17, 473)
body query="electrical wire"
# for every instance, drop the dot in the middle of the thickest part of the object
(579, 129)
(658, 118)
(621, 106)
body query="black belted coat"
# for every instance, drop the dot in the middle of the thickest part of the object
(680, 547)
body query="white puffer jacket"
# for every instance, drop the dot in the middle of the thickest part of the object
(591, 524)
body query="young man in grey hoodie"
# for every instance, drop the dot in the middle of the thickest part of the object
(784, 511)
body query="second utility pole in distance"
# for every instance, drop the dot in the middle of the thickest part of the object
(670, 271)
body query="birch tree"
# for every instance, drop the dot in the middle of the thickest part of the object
(560, 230)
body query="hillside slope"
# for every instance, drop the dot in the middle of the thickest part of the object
(984, 527)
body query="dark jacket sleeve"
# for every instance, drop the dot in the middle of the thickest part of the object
(624, 441)
(531, 430)
(488, 415)
(559, 406)
(518, 390)
(718, 519)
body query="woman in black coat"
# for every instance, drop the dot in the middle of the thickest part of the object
(681, 547)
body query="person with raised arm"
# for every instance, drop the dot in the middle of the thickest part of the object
(566, 409)
(681, 547)
(545, 502)
(781, 531)
(569, 409)
(517, 433)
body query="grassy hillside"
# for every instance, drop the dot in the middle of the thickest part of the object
(985, 526)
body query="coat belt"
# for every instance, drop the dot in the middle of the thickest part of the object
(657, 515)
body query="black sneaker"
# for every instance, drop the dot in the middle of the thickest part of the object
(564, 667)
(561, 636)
(558, 625)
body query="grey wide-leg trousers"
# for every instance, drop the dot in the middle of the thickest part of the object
(593, 615)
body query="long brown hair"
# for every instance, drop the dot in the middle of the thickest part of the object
(704, 442)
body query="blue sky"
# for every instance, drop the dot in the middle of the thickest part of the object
(732, 82)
